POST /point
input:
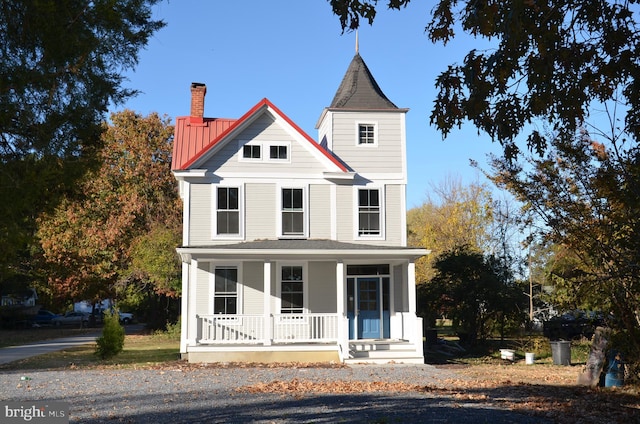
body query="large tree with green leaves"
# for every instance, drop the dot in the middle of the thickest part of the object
(61, 67)
(585, 195)
(98, 242)
(477, 292)
(552, 64)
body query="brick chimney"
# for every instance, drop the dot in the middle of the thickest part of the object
(198, 91)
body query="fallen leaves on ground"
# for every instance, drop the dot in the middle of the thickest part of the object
(546, 391)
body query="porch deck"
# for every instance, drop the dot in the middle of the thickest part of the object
(292, 338)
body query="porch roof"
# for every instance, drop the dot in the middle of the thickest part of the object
(301, 249)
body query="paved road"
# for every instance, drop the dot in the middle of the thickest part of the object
(15, 353)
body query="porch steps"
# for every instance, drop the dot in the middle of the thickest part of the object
(383, 352)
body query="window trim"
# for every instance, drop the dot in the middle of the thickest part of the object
(305, 211)
(375, 134)
(285, 144)
(212, 288)
(214, 214)
(243, 143)
(356, 213)
(305, 289)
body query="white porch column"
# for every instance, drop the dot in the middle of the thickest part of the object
(267, 303)
(184, 308)
(343, 334)
(411, 286)
(192, 326)
(416, 323)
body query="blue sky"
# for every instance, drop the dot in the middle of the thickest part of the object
(294, 54)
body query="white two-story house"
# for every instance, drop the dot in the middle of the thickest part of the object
(295, 249)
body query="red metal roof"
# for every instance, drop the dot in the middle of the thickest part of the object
(193, 139)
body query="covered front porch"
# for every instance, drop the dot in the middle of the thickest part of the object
(349, 303)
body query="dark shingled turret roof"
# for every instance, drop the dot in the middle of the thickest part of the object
(359, 90)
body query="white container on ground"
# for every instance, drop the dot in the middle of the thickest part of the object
(529, 358)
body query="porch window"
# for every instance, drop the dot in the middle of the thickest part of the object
(292, 212)
(369, 212)
(225, 298)
(228, 211)
(292, 290)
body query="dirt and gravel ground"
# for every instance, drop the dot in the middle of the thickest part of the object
(286, 393)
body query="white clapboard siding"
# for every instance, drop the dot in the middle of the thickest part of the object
(201, 215)
(386, 157)
(320, 211)
(260, 211)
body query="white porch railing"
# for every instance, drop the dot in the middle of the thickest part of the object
(292, 328)
(250, 329)
(241, 329)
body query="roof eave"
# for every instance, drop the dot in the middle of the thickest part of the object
(187, 253)
(341, 109)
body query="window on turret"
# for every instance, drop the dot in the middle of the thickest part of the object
(366, 134)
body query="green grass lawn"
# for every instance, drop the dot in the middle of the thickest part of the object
(139, 351)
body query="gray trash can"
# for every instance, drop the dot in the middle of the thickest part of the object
(561, 352)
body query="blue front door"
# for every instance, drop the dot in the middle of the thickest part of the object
(368, 289)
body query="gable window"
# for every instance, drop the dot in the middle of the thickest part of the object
(292, 212)
(292, 290)
(225, 297)
(366, 134)
(251, 151)
(228, 211)
(369, 212)
(278, 152)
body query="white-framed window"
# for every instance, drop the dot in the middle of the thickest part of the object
(252, 152)
(279, 152)
(263, 151)
(292, 288)
(228, 211)
(226, 290)
(292, 211)
(366, 134)
(369, 202)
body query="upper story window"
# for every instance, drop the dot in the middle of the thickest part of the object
(225, 293)
(369, 212)
(367, 134)
(292, 210)
(227, 211)
(292, 290)
(252, 151)
(280, 152)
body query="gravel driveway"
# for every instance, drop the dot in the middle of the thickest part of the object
(209, 395)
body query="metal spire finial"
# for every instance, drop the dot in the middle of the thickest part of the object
(357, 46)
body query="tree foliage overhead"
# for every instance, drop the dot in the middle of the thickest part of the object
(91, 240)
(62, 63)
(61, 66)
(553, 60)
